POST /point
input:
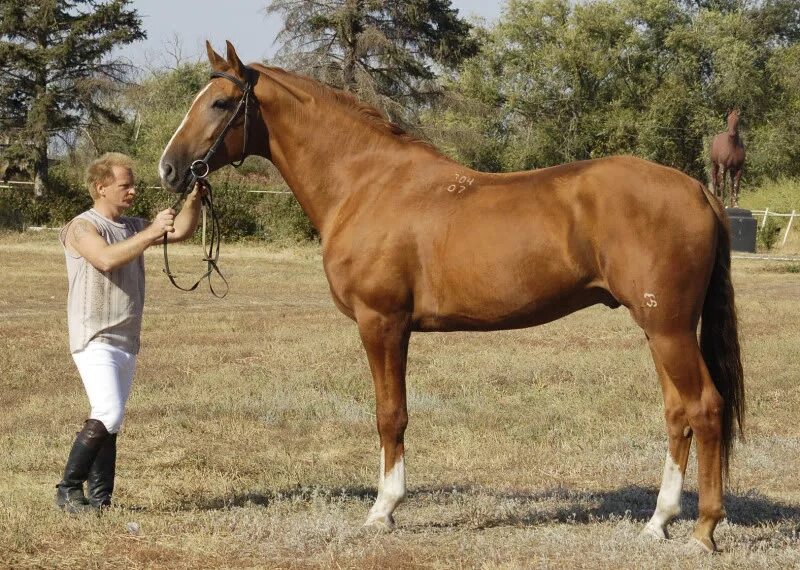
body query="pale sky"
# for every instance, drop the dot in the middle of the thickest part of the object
(243, 22)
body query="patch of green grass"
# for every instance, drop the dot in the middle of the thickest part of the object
(781, 195)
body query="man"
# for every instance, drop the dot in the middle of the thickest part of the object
(105, 267)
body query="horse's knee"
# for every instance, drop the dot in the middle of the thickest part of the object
(392, 422)
(675, 415)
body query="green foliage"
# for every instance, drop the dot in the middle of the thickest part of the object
(559, 81)
(155, 109)
(775, 141)
(781, 195)
(56, 72)
(19, 207)
(554, 81)
(18, 210)
(246, 211)
(159, 105)
(243, 213)
(68, 196)
(283, 220)
(385, 51)
(768, 234)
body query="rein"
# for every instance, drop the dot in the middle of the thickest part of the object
(199, 170)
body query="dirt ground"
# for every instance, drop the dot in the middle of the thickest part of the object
(250, 437)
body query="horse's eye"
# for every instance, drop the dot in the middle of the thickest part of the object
(220, 104)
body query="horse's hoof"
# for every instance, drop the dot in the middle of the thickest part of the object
(651, 532)
(379, 523)
(703, 545)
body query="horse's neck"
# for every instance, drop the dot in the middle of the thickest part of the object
(321, 150)
(733, 130)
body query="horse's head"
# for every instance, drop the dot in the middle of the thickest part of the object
(733, 121)
(216, 121)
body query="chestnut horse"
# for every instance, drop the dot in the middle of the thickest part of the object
(413, 241)
(727, 156)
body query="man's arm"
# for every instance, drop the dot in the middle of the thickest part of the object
(84, 239)
(186, 220)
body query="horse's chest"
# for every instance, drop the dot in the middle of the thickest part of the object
(338, 271)
(368, 277)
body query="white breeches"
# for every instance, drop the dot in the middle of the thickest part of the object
(107, 375)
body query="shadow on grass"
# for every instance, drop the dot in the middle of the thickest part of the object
(555, 505)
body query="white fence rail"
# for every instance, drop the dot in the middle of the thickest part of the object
(14, 184)
(766, 213)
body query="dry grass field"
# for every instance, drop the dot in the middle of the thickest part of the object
(250, 439)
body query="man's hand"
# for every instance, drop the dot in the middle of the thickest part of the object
(163, 223)
(182, 226)
(200, 189)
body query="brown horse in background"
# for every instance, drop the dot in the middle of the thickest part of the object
(727, 156)
(413, 242)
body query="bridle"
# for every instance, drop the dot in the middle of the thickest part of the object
(199, 170)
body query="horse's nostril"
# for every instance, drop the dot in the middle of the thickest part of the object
(168, 172)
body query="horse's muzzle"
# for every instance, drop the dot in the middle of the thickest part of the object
(168, 175)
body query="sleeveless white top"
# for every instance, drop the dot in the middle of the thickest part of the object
(105, 306)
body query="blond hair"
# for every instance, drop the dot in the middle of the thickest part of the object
(101, 171)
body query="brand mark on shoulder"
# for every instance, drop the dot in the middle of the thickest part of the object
(461, 184)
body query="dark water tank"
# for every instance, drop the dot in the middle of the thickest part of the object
(743, 229)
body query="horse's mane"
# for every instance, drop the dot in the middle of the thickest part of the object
(340, 97)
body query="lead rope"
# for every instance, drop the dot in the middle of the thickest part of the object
(211, 253)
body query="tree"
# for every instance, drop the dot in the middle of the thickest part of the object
(55, 71)
(383, 50)
(558, 81)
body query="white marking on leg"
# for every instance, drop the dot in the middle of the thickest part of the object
(668, 504)
(391, 491)
(183, 122)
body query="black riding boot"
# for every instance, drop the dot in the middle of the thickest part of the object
(100, 484)
(69, 491)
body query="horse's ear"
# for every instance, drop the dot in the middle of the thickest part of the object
(216, 61)
(234, 62)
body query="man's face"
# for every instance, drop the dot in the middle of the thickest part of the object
(121, 191)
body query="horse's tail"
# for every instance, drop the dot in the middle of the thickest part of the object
(719, 340)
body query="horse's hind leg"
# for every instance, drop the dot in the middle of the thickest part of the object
(692, 396)
(668, 504)
(385, 338)
(715, 180)
(735, 177)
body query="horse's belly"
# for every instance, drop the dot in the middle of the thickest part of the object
(494, 306)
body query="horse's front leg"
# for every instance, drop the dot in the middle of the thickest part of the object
(724, 184)
(385, 338)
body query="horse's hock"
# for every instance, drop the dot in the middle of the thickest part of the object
(743, 229)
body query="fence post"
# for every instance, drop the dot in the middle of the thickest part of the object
(788, 227)
(764, 221)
